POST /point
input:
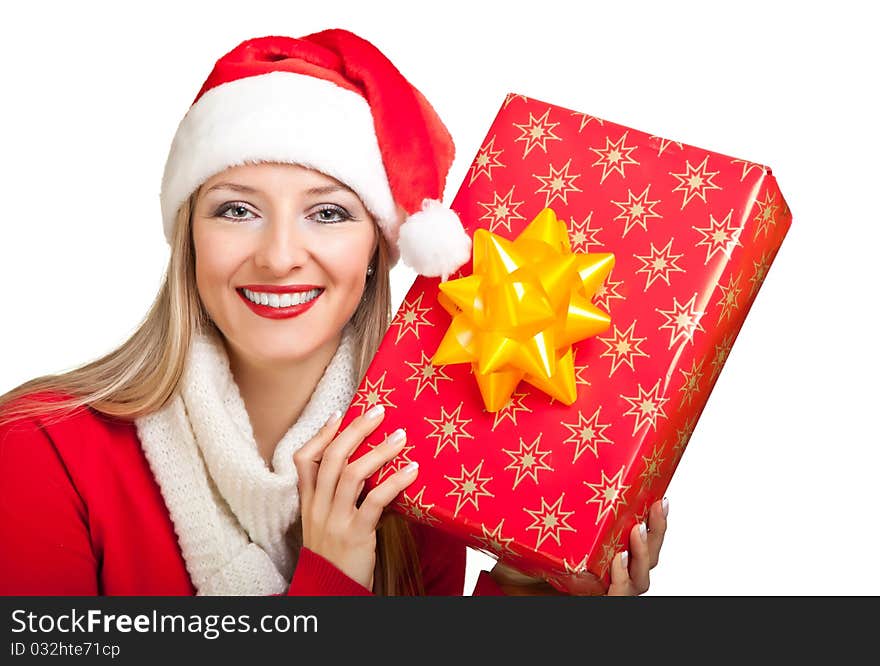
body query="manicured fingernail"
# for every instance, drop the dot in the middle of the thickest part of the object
(397, 437)
(624, 558)
(411, 467)
(665, 505)
(333, 417)
(376, 412)
(643, 531)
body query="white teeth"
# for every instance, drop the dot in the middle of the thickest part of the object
(282, 300)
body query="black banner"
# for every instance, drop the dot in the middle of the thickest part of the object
(135, 629)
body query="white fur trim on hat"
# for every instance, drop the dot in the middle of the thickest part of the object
(433, 242)
(278, 117)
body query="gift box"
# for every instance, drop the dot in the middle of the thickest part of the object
(550, 487)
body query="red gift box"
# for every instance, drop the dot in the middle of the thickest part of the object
(554, 489)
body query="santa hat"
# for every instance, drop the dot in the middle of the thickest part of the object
(332, 102)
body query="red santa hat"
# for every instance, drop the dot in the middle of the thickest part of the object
(330, 101)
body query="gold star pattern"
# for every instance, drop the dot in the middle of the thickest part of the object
(527, 461)
(719, 235)
(449, 429)
(747, 166)
(636, 210)
(622, 347)
(494, 541)
(558, 184)
(512, 96)
(653, 463)
(513, 407)
(469, 487)
(581, 236)
(586, 119)
(658, 264)
(682, 437)
(609, 550)
(761, 267)
(426, 374)
(665, 143)
(768, 208)
(397, 463)
(536, 132)
(642, 515)
(607, 293)
(692, 380)
(579, 370)
(614, 156)
(416, 508)
(578, 569)
(647, 407)
(501, 211)
(550, 521)
(722, 350)
(373, 393)
(695, 181)
(586, 434)
(608, 494)
(729, 301)
(409, 317)
(485, 161)
(683, 320)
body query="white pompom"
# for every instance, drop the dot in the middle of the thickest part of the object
(433, 241)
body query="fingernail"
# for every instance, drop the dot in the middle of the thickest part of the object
(335, 415)
(376, 412)
(624, 558)
(643, 531)
(665, 505)
(411, 467)
(397, 437)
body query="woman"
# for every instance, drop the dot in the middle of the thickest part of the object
(203, 456)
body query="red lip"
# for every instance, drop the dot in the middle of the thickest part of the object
(279, 289)
(278, 313)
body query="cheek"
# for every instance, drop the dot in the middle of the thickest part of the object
(347, 259)
(217, 258)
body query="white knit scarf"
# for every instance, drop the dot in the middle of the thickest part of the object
(231, 512)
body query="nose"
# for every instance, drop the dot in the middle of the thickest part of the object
(283, 246)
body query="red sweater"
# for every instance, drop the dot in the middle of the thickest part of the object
(81, 514)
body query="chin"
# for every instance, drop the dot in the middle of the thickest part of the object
(283, 348)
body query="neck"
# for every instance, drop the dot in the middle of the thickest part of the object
(274, 394)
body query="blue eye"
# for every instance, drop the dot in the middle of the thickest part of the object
(232, 206)
(331, 214)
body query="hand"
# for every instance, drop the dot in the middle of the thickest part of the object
(334, 526)
(629, 572)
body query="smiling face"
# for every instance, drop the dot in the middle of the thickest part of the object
(281, 258)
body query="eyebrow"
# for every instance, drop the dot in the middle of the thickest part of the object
(312, 191)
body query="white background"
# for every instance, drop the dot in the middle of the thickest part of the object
(776, 493)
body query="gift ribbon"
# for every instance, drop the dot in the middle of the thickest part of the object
(517, 315)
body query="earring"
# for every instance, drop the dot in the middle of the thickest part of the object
(370, 270)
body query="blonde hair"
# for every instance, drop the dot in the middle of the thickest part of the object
(142, 374)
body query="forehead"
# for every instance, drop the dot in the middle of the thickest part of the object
(268, 175)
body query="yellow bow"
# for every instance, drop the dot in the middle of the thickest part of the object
(516, 317)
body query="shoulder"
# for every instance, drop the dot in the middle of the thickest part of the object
(70, 434)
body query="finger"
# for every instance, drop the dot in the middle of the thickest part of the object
(356, 473)
(640, 558)
(307, 458)
(378, 498)
(657, 529)
(621, 585)
(336, 456)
